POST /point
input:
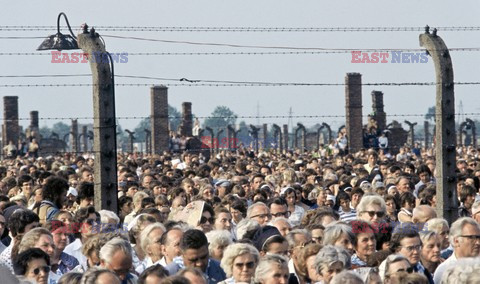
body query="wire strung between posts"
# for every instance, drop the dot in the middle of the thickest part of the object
(265, 84)
(246, 29)
(238, 116)
(465, 49)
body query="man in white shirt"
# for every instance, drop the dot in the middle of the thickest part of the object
(465, 239)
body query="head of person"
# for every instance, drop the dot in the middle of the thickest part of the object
(283, 225)
(137, 225)
(441, 228)
(170, 244)
(150, 240)
(306, 263)
(298, 239)
(371, 208)
(70, 278)
(238, 211)
(116, 256)
(245, 226)
(364, 242)
(218, 240)
(406, 241)
(465, 237)
(422, 214)
(37, 238)
(59, 232)
(206, 222)
(223, 219)
(33, 264)
(393, 264)
(193, 275)
(272, 269)
(317, 231)
(467, 195)
(153, 275)
(260, 213)
(403, 184)
(432, 246)
(240, 261)
(55, 190)
(97, 275)
(268, 240)
(349, 277)
(339, 234)
(21, 221)
(85, 196)
(278, 208)
(194, 246)
(85, 221)
(476, 211)
(330, 261)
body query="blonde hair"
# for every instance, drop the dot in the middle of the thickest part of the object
(31, 238)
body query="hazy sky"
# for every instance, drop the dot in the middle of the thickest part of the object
(272, 101)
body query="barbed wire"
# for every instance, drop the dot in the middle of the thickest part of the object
(460, 49)
(245, 29)
(239, 116)
(259, 84)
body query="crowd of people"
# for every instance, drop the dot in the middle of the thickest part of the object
(240, 217)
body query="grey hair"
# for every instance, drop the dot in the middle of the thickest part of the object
(246, 225)
(92, 274)
(274, 221)
(457, 226)
(346, 277)
(436, 225)
(31, 238)
(332, 233)
(291, 236)
(112, 246)
(217, 238)
(265, 265)
(145, 240)
(70, 278)
(461, 271)
(425, 236)
(385, 265)
(329, 255)
(253, 206)
(107, 215)
(475, 205)
(231, 252)
(369, 200)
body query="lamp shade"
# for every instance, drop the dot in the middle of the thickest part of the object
(59, 41)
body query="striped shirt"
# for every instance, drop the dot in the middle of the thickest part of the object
(347, 216)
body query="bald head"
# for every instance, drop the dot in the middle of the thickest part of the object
(423, 213)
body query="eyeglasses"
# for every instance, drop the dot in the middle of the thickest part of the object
(262, 216)
(285, 214)
(379, 214)
(408, 270)
(471, 237)
(45, 269)
(412, 248)
(248, 265)
(204, 220)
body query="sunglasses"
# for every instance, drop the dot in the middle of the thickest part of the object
(45, 269)
(408, 270)
(379, 214)
(248, 265)
(204, 220)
